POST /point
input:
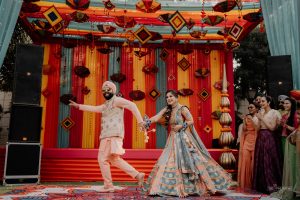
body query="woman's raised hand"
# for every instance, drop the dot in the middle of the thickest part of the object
(74, 104)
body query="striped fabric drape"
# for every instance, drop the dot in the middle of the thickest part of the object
(85, 133)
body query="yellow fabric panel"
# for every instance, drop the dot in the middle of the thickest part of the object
(138, 84)
(44, 86)
(215, 70)
(88, 131)
(183, 80)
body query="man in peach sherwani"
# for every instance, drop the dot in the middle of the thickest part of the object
(112, 134)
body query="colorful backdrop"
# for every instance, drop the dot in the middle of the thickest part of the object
(85, 127)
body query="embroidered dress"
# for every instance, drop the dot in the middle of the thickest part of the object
(185, 167)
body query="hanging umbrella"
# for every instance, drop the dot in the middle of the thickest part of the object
(212, 20)
(108, 4)
(30, 8)
(198, 34)
(141, 53)
(225, 6)
(125, 21)
(42, 24)
(79, 17)
(78, 4)
(253, 17)
(185, 50)
(164, 17)
(105, 49)
(148, 6)
(118, 77)
(155, 36)
(137, 95)
(231, 45)
(190, 24)
(106, 28)
(185, 92)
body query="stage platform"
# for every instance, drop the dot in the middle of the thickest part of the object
(81, 165)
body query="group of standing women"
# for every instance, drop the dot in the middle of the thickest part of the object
(268, 138)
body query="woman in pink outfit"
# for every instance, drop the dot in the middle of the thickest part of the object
(247, 146)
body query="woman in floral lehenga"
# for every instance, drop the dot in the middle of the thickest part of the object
(185, 166)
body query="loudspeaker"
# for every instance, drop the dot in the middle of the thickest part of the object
(279, 76)
(22, 163)
(27, 74)
(25, 123)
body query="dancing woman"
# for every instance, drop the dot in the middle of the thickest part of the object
(185, 167)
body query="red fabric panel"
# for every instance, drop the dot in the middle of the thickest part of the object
(205, 105)
(195, 84)
(102, 76)
(171, 64)
(126, 67)
(79, 56)
(51, 118)
(149, 85)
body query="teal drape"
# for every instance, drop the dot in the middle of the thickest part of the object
(65, 88)
(283, 31)
(161, 85)
(114, 64)
(9, 12)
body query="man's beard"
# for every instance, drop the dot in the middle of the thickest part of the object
(108, 95)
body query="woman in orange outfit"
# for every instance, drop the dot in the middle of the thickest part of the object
(247, 146)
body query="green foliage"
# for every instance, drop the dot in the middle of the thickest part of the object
(7, 70)
(251, 58)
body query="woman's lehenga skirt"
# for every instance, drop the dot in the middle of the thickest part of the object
(184, 170)
(267, 174)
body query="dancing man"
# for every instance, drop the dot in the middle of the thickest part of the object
(112, 134)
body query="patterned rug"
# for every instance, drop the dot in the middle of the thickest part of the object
(91, 192)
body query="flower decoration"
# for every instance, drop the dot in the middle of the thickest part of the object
(65, 99)
(118, 77)
(137, 95)
(82, 71)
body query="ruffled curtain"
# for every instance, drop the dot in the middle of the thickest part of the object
(283, 26)
(9, 12)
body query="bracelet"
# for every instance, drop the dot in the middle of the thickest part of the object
(184, 125)
(147, 122)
